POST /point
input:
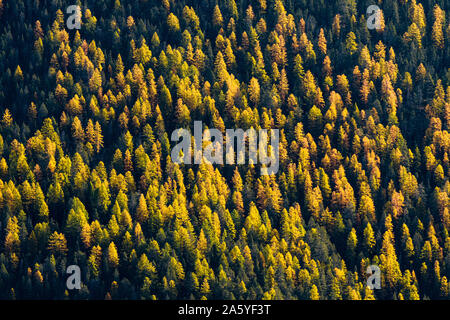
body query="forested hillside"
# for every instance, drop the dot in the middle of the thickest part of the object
(86, 177)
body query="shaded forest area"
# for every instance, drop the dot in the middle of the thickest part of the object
(85, 171)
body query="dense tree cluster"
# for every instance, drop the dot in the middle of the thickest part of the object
(85, 171)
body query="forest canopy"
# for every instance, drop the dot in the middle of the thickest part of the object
(86, 176)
